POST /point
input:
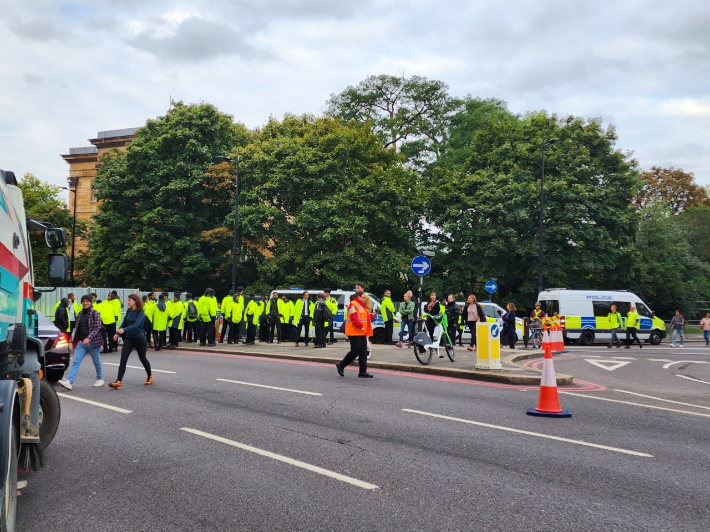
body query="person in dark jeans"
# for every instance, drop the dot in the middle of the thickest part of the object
(274, 310)
(473, 313)
(358, 326)
(509, 325)
(133, 334)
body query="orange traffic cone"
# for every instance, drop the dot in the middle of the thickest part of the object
(558, 344)
(548, 404)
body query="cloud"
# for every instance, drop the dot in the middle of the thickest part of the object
(195, 39)
(688, 107)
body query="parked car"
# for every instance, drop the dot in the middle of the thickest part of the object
(56, 348)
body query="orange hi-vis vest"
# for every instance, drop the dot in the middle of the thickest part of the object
(351, 329)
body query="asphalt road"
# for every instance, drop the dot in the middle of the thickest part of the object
(398, 452)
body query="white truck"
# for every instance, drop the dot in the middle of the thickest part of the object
(29, 406)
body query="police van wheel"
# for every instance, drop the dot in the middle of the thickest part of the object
(655, 338)
(587, 338)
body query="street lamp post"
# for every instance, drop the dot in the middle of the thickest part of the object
(235, 241)
(73, 182)
(542, 207)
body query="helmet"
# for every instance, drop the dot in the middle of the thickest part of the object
(538, 304)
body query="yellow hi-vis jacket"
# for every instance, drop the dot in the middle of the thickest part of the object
(177, 309)
(253, 312)
(236, 309)
(107, 312)
(207, 307)
(298, 311)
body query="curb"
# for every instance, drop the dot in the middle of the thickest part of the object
(501, 378)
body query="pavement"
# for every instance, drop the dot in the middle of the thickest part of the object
(402, 359)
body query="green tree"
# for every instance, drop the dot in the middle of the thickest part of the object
(42, 203)
(412, 110)
(327, 205)
(673, 187)
(159, 201)
(486, 213)
(695, 222)
(661, 264)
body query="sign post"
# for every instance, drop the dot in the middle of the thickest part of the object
(420, 266)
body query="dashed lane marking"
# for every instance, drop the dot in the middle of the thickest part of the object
(637, 404)
(693, 379)
(285, 459)
(528, 433)
(94, 403)
(269, 387)
(141, 367)
(668, 400)
(624, 358)
(659, 360)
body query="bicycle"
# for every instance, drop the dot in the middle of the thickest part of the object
(423, 346)
(536, 334)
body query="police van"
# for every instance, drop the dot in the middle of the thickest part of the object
(586, 314)
(343, 298)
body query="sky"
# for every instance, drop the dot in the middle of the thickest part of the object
(71, 68)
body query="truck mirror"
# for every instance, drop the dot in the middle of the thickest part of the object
(57, 269)
(55, 237)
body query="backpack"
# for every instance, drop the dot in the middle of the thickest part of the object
(328, 315)
(191, 310)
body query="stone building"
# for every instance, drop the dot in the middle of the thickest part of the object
(83, 166)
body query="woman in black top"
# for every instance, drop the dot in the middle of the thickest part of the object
(132, 331)
(452, 317)
(509, 323)
(433, 308)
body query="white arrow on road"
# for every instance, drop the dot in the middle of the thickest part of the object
(423, 267)
(609, 365)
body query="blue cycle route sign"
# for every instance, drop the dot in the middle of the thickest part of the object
(495, 330)
(421, 265)
(491, 287)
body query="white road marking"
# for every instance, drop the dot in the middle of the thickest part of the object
(668, 400)
(623, 358)
(693, 379)
(591, 356)
(609, 365)
(152, 369)
(659, 360)
(107, 407)
(269, 387)
(285, 459)
(528, 433)
(666, 366)
(636, 404)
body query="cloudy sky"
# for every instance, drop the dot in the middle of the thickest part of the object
(71, 68)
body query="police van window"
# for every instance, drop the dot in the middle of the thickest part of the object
(643, 310)
(601, 308)
(622, 307)
(550, 307)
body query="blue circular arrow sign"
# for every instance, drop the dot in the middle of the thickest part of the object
(495, 330)
(421, 265)
(491, 287)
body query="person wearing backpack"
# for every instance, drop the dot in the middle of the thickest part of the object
(615, 325)
(678, 326)
(190, 319)
(321, 315)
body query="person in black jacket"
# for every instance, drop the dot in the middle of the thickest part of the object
(509, 325)
(472, 314)
(452, 317)
(432, 309)
(61, 316)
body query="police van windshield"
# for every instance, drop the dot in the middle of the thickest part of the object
(550, 306)
(643, 310)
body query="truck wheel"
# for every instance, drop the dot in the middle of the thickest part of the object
(8, 492)
(586, 338)
(50, 411)
(655, 338)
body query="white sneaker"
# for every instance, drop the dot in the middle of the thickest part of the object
(64, 383)
(672, 345)
(99, 383)
(681, 345)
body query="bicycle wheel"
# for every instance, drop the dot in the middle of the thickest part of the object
(422, 353)
(537, 340)
(449, 348)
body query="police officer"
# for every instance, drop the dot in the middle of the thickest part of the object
(226, 310)
(275, 313)
(263, 319)
(208, 315)
(332, 304)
